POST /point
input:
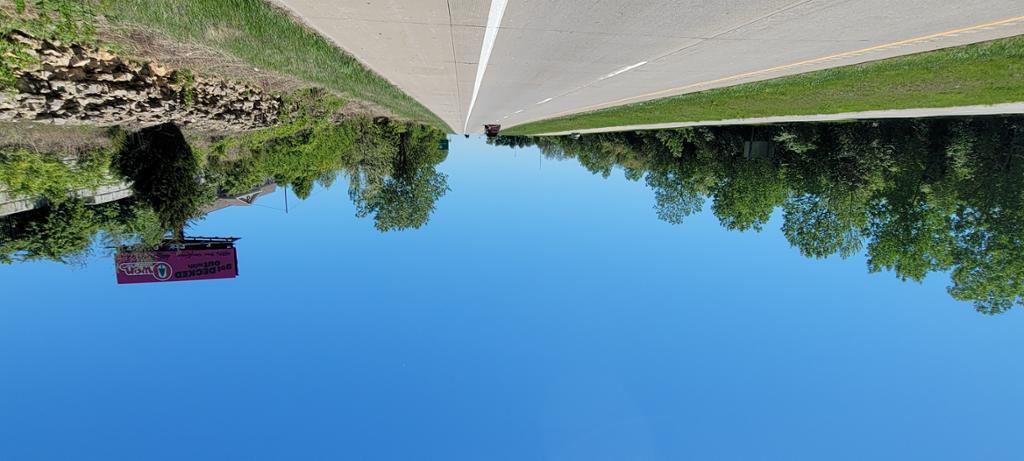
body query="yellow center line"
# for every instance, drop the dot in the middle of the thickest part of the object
(801, 63)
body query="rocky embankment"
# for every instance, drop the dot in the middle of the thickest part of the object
(73, 84)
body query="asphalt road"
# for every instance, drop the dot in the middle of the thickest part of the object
(515, 61)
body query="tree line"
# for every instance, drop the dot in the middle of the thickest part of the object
(390, 167)
(913, 196)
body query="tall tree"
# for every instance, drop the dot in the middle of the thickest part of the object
(165, 175)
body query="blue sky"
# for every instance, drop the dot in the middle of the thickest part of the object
(545, 313)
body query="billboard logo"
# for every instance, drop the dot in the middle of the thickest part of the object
(157, 269)
(162, 271)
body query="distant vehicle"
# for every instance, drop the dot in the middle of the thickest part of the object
(492, 130)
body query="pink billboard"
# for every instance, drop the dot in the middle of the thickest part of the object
(176, 266)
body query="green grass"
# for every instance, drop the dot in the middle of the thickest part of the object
(984, 73)
(259, 34)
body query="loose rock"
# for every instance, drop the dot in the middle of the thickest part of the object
(84, 85)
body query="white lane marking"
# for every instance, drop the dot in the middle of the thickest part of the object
(490, 36)
(518, 111)
(623, 70)
(545, 101)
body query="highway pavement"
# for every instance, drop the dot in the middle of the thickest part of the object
(515, 61)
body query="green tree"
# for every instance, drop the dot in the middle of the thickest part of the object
(407, 197)
(745, 199)
(67, 231)
(165, 175)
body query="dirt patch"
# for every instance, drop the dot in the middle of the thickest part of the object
(146, 44)
(63, 140)
(142, 44)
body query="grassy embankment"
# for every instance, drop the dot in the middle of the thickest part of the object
(251, 31)
(983, 73)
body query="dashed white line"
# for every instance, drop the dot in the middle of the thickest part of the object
(545, 101)
(490, 36)
(623, 70)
